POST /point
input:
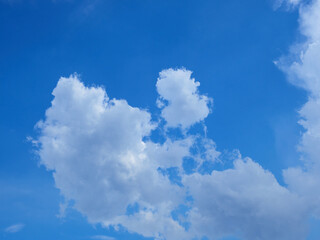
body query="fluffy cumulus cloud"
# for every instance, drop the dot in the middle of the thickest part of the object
(94, 146)
(102, 157)
(246, 201)
(179, 99)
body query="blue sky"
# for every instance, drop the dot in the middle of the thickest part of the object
(253, 82)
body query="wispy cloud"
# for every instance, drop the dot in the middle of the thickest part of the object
(287, 3)
(14, 228)
(102, 237)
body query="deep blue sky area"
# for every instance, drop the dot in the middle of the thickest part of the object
(229, 45)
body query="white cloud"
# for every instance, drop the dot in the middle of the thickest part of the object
(179, 98)
(100, 155)
(14, 228)
(305, 72)
(94, 147)
(170, 153)
(155, 221)
(246, 201)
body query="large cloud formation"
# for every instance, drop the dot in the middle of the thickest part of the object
(103, 159)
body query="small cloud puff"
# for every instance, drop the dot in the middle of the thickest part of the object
(181, 104)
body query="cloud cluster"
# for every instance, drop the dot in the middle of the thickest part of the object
(102, 157)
